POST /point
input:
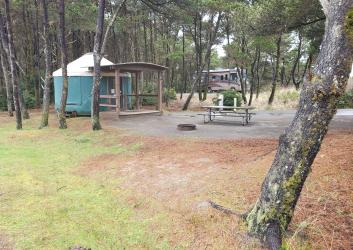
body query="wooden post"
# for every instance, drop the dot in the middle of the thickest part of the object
(142, 87)
(137, 101)
(160, 90)
(117, 91)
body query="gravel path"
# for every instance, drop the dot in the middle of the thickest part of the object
(266, 124)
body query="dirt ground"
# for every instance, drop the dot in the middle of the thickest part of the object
(172, 177)
(176, 176)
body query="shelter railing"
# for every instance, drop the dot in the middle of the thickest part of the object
(124, 97)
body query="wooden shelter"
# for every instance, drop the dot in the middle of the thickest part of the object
(131, 102)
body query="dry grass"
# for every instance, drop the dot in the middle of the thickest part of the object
(285, 98)
(172, 178)
(164, 181)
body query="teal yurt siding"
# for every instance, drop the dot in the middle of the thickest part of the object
(79, 92)
(126, 89)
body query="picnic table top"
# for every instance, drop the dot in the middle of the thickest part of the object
(228, 107)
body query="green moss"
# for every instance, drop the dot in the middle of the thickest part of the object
(290, 187)
(349, 24)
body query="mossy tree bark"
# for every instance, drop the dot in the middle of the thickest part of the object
(47, 80)
(300, 143)
(63, 50)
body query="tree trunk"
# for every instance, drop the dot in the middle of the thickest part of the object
(254, 72)
(274, 81)
(47, 53)
(4, 68)
(207, 56)
(242, 85)
(36, 56)
(97, 66)
(24, 111)
(183, 88)
(98, 51)
(63, 48)
(206, 81)
(12, 61)
(199, 51)
(300, 143)
(296, 64)
(258, 74)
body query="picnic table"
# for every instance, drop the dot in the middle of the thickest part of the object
(214, 111)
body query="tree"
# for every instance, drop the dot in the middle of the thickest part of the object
(8, 45)
(9, 99)
(97, 57)
(300, 143)
(63, 50)
(47, 53)
(275, 70)
(98, 51)
(211, 41)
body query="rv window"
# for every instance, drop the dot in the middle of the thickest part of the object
(213, 77)
(221, 77)
(226, 77)
(233, 76)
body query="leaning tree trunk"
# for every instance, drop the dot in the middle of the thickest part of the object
(63, 48)
(47, 50)
(301, 141)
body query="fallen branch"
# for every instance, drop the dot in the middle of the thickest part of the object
(224, 210)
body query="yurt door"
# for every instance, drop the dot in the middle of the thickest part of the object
(126, 90)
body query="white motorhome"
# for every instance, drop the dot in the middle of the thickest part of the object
(222, 79)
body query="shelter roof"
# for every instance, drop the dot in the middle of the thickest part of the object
(81, 66)
(133, 67)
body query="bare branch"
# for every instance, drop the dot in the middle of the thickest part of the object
(115, 15)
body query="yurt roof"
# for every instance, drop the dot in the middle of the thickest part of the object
(80, 66)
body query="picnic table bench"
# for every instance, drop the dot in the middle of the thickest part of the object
(228, 111)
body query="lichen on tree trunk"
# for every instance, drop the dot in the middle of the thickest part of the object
(300, 143)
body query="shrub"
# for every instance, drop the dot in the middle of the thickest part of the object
(149, 88)
(3, 103)
(171, 94)
(346, 100)
(228, 98)
(29, 99)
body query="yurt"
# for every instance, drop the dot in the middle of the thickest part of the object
(80, 77)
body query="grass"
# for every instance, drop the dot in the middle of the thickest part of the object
(45, 205)
(285, 98)
(113, 189)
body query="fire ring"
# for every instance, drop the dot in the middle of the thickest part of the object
(186, 127)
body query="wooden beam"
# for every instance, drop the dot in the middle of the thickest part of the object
(117, 91)
(160, 91)
(107, 105)
(137, 91)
